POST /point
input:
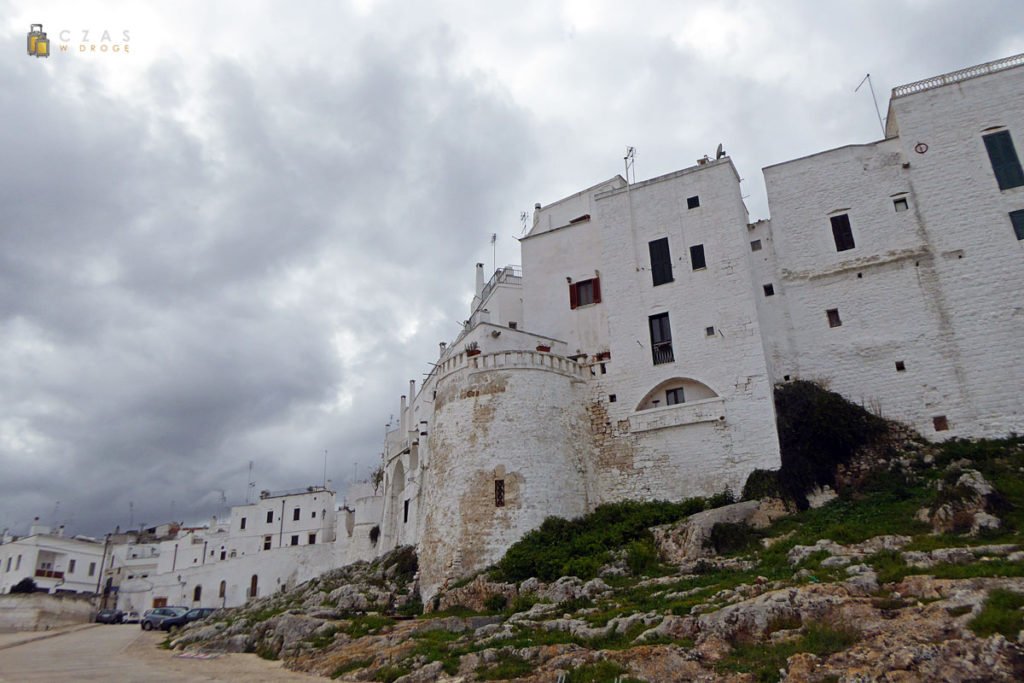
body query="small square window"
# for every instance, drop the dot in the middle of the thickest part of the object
(692, 202)
(499, 493)
(512, 325)
(940, 423)
(785, 378)
(1017, 219)
(709, 331)
(674, 396)
(295, 539)
(900, 204)
(769, 289)
(296, 514)
(266, 542)
(697, 259)
(270, 516)
(755, 245)
(901, 366)
(833, 317)
(612, 398)
(312, 539)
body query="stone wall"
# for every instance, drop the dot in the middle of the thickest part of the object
(40, 611)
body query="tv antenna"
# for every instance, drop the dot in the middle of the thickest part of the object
(524, 218)
(873, 99)
(494, 251)
(629, 159)
(719, 153)
(252, 486)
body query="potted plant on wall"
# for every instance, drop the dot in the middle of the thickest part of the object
(544, 348)
(472, 349)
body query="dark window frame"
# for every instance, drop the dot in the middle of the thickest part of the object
(842, 232)
(296, 514)
(499, 493)
(590, 289)
(661, 261)
(674, 396)
(660, 328)
(1017, 221)
(698, 259)
(1003, 156)
(834, 320)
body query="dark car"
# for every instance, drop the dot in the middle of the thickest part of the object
(187, 618)
(109, 616)
(155, 617)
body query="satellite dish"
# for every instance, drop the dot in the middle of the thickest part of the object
(719, 153)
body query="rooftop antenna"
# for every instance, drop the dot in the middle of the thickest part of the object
(252, 486)
(629, 159)
(873, 99)
(494, 251)
(56, 509)
(524, 218)
(719, 153)
(131, 514)
(325, 468)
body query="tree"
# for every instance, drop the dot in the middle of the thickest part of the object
(26, 585)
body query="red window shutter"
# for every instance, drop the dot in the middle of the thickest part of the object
(573, 296)
(597, 290)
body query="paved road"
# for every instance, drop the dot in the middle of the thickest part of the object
(126, 653)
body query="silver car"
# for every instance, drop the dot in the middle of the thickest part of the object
(155, 617)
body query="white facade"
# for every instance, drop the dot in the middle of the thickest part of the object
(56, 563)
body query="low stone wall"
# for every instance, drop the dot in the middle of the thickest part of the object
(41, 612)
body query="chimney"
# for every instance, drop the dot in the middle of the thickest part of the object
(443, 346)
(60, 530)
(479, 279)
(213, 523)
(401, 414)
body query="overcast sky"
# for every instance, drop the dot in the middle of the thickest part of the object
(239, 240)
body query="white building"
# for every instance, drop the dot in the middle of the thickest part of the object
(633, 355)
(53, 561)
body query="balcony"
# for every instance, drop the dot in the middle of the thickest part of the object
(678, 415)
(662, 352)
(49, 574)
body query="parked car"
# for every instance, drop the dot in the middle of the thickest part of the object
(154, 617)
(131, 617)
(187, 618)
(109, 616)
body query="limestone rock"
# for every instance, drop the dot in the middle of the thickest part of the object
(684, 541)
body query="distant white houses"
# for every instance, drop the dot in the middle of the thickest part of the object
(55, 562)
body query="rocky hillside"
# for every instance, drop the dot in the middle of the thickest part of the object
(871, 555)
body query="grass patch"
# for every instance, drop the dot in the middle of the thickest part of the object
(264, 614)
(958, 611)
(1001, 613)
(508, 666)
(764, 660)
(363, 626)
(390, 674)
(351, 666)
(599, 672)
(322, 640)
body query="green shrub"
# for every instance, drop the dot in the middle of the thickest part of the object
(599, 672)
(508, 666)
(728, 538)
(818, 430)
(495, 603)
(390, 674)
(413, 608)
(365, 625)
(523, 602)
(351, 666)
(579, 547)
(762, 484)
(1001, 613)
(641, 556)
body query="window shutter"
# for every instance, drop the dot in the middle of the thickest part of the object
(573, 296)
(597, 290)
(1005, 163)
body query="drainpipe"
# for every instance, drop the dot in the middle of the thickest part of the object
(280, 536)
(99, 579)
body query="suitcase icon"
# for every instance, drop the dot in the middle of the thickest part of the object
(38, 43)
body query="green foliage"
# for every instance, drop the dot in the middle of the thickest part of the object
(784, 622)
(818, 430)
(523, 602)
(413, 608)
(958, 611)
(321, 640)
(26, 585)
(722, 499)
(599, 672)
(351, 666)
(889, 564)
(266, 652)
(390, 674)
(495, 603)
(264, 614)
(508, 666)
(764, 660)
(727, 538)
(762, 484)
(1000, 614)
(641, 556)
(579, 547)
(405, 562)
(365, 625)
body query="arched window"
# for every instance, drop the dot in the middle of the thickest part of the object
(253, 586)
(197, 594)
(223, 589)
(674, 391)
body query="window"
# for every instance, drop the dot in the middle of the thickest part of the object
(254, 586)
(674, 396)
(270, 516)
(661, 261)
(242, 525)
(223, 589)
(901, 366)
(769, 289)
(661, 339)
(296, 515)
(841, 232)
(405, 512)
(499, 493)
(697, 257)
(1017, 219)
(513, 325)
(1005, 163)
(900, 204)
(692, 202)
(312, 539)
(940, 423)
(755, 245)
(833, 317)
(313, 515)
(584, 293)
(612, 398)
(71, 566)
(267, 540)
(92, 566)
(223, 554)
(709, 331)
(8, 564)
(197, 593)
(295, 539)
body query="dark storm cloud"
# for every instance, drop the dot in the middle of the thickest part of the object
(176, 267)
